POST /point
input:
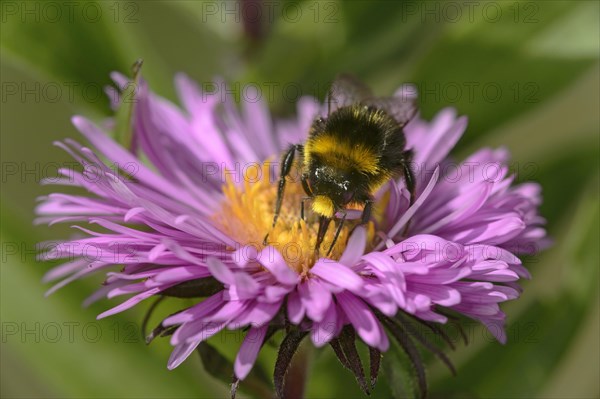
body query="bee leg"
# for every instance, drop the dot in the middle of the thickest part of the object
(305, 186)
(364, 218)
(409, 180)
(366, 214)
(337, 233)
(286, 166)
(409, 177)
(308, 192)
(323, 224)
(302, 206)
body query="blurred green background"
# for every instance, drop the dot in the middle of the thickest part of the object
(526, 73)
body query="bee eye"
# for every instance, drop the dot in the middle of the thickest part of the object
(348, 195)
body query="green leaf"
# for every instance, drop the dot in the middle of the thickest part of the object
(125, 112)
(82, 52)
(488, 70)
(397, 371)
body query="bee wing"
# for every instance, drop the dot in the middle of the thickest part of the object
(346, 90)
(402, 108)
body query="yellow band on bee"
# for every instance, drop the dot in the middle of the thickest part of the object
(323, 206)
(342, 154)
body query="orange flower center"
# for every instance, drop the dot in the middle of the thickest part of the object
(246, 215)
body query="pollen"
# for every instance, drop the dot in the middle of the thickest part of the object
(247, 210)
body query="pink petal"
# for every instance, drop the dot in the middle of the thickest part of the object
(272, 260)
(248, 353)
(180, 353)
(325, 330)
(197, 311)
(316, 299)
(295, 307)
(220, 271)
(355, 248)
(337, 274)
(363, 320)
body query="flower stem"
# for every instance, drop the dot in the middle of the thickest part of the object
(295, 379)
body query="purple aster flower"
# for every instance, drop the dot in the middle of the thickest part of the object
(183, 212)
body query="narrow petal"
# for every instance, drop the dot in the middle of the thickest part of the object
(220, 271)
(295, 307)
(272, 260)
(355, 248)
(197, 311)
(337, 274)
(248, 353)
(130, 302)
(363, 320)
(180, 353)
(328, 328)
(415, 207)
(316, 299)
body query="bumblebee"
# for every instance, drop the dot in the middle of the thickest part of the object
(350, 154)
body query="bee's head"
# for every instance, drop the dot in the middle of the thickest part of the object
(332, 183)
